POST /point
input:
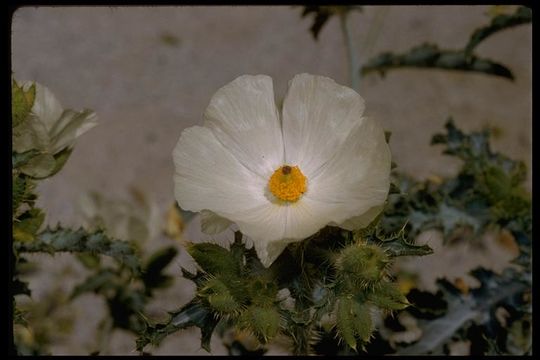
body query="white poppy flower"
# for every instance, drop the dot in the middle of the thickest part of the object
(49, 127)
(281, 179)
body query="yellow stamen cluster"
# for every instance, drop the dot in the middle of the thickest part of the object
(287, 183)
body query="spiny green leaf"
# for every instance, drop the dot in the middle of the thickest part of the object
(22, 192)
(394, 189)
(21, 102)
(263, 321)
(426, 305)
(238, 250)
(103, 279)
(480, 305)
(158, 261)
(498, 182)
(40, 166)
(387, 296)
(192, 314)
(321, 15)
(124, 305)
(18, 316)
(488, 190)
(90, 261)
(219, 297)
(523, 15)
(198, 278)
(224, 303)
(344, 322)
(68, 240)
(263, 293)
(363, 324)
(19, 159)
(60, 160)
(28, 224)
(214, 259)
(429, 56)
(397, 245)
(353, 319)
(20, 287)
(489, 186)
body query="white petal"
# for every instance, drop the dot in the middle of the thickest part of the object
(318, 115)
(268, 252)
(208, 177)
(30, 134)
(360, 221)
(357, 178)
(212, 224)
(69, 127)
(244, 118)
(46, 107)
(273, 226)
(264, 223)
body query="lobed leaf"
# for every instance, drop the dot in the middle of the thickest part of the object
(103, 279)
(353, 320)
(19, 159)
(27, 225)
(19, 287)
(192, 314)
(487, 190)
(22, 192)
(388, 296)
(68, 240)
(429, 56)
(321, 15)
(263, 321)
(396, 244)
(495, 289)
(39, 166)
(214, 259)
(152, 275)
(523, 15)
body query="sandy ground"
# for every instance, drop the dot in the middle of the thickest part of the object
(149, 72)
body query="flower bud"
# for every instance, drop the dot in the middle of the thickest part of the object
(263, 321)
(360, 266)
(219, 297)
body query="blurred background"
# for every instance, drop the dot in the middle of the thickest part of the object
(149, 72)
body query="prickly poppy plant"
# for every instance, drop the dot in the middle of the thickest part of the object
(321, 221)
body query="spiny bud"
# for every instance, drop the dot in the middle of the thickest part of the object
(263, 293)
(387, 296)
(263, 321)
(361, 265)
(219, 297)
(353, 320)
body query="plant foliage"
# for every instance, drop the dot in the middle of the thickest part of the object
(430, 56)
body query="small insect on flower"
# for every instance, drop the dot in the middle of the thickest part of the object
(282, 177)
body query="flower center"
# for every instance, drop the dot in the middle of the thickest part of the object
(287, 183)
